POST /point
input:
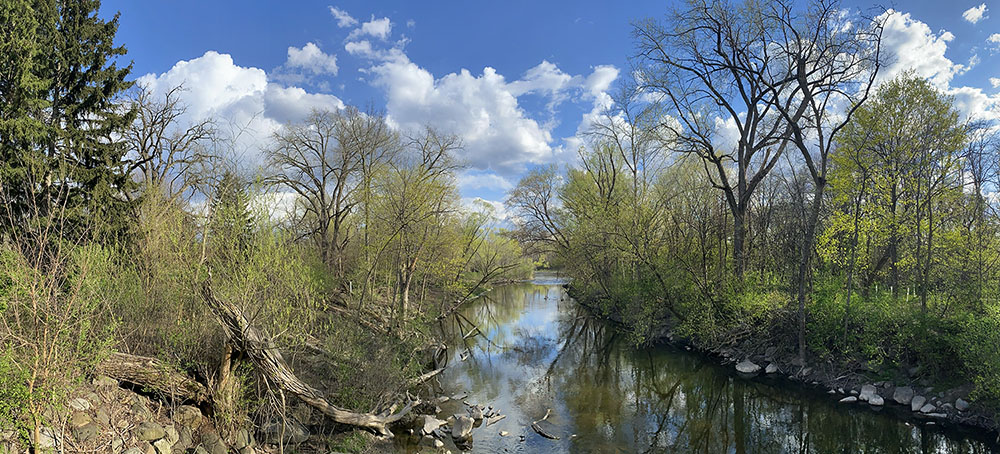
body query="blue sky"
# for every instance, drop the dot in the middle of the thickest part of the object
(518, 80)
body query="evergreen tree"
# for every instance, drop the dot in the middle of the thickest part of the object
(61, 118)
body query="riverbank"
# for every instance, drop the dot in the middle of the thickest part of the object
(917, 399)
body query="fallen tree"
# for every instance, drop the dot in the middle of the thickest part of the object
(256, 346)
(154, 375)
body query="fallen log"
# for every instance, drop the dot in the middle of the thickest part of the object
(258, 347)
(537, 426)
(154, 375)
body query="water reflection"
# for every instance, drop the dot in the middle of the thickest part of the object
(528, 347)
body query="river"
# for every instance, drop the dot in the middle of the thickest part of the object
(540, 350)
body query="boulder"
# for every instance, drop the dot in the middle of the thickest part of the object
(867, 391)
(961, 404)
(876, 400)
(903, 395)
(771, 369)
(849, 400)
(927, 408)
(461, 428)
(149, 431)
(85, 432)
(188, 416)
(295, 432)
(80, 404)
(747, 367)
(162, 446)
(78, 419)
(243, 439)
(917, 403)
(476, 412)
(428, 424)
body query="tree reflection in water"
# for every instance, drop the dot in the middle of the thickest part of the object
(530, 348)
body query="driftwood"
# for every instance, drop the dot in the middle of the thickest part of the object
(541, 430)
(258, 347)
(154, 375)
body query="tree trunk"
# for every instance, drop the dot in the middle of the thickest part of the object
(804, 258)
(153, 374)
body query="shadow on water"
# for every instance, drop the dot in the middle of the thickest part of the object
(537, 349)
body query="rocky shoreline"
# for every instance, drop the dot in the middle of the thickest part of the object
(918, 400)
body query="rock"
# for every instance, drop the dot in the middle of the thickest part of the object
(854, 392)
(146, 448)
(162, 446)
(188, 416)
(428, 424)
(80, 404)
(149, 431)
(139, 410)
(937, 415)
(948, 407)
(876, 400)
(200, 450)
(504, 433)
(243, 439)
(771, 368)
(903, 395)
(85, 432)
(294, 432)
(476, 412)
(867, 391)
(103, 381)
(78, 419)
(438, 443)
(461, 429)
(133, 450)
(747, 367)
(116, 444)
(917, 403)
(171, 435)
(805, 371)
(184, 439)
(841, 391)
(849, 400)
(961, 404)
(927, 408)
(103, 418)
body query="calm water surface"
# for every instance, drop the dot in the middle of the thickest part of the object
(540, 350)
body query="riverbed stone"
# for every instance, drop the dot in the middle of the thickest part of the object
(149, 431)
(917, 403)
(867, 391)
(876, 400)
(903, 395)
(461, 428)
(928, 408)
(80, 404)
(961, 404)
(849, 400)
(162, 446)
(428, 424)
(771, 368)
(188, 415)
(747, 367)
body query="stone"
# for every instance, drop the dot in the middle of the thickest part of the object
(438, 443)
(188, 416)
(504, 433)
(867, 391)
(294, 432)
(937, 415)
(876, 400)
(133, 450)
(927, 408)
(903, 395)
(139, 410)
(461, 429)
(150, 431)
(162, 446)
(917, 403)
(103, 381)
(854, 392)
(85, 432)
(243, 439)
(961, 404)
(80, 403)
(79, 419)
(747, 367)
(771, 368)
(476, 412)
(48, 439)
(116, 444)
(147, 448)
(103, 418)
(171, 435)
(428, 424)
(849, 400)
(184, 439)
(948, 407)
(200, 450)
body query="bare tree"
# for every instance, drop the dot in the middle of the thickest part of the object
(831, 65)
(712, 63)
(165, 152)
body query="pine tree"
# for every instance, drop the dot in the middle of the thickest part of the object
(60, 149)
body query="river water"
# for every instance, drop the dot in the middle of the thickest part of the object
(540, 350)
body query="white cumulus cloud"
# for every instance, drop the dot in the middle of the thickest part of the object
(312, 59)
(975, 14)
(378, 28)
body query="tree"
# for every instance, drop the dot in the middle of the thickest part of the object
(712, 64)
(163, 153)
(326, 160)
(62, 152)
